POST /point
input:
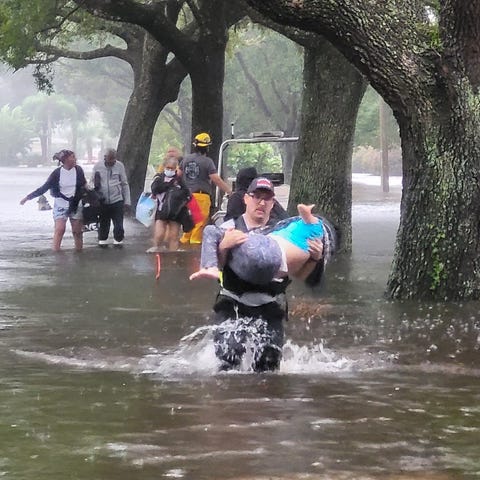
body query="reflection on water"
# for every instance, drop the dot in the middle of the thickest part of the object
(106, 373)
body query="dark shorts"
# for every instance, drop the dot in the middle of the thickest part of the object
(183, 218)
(250, 340)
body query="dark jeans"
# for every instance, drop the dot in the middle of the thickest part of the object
(111, 213)
(251, 334)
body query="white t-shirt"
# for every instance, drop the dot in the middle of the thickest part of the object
(68, 182)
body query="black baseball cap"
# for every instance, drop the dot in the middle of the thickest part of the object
(261, 183)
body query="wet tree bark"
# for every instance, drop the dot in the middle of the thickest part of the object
(207, 74)
(156, 84)
(433, 89)
(333, 90)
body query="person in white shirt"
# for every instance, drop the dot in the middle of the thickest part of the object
(66, 184)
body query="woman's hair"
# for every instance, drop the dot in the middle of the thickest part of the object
(170, 162)
(173, 152)
(62, 155)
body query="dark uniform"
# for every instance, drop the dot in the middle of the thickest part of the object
(250, 317)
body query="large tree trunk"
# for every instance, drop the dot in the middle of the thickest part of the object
(437, 246)
(207, 73)
(207, 98)
(155, 85)
(333, 90)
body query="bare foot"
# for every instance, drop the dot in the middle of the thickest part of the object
(305, 211)
(211, 272)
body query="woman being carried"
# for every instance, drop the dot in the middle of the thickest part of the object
(262, 257)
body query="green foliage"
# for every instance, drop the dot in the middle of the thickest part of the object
(48, 110)
(263, 156)
(29, 26)
(16, 134)
(367, 132)
(96, 83)
(368, 160)
(276, 64)
(164, 136)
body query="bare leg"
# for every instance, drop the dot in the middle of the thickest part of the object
(173, 235)
(159, 232)
(77, 231)
(212, 236)
(59, 231)
(305, 212)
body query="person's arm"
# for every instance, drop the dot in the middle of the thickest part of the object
(125, 186)
(217, 180)
(232, 238)
(159, 185)
(312, 270)
(180, 181)
(39, 191)
(82, 178)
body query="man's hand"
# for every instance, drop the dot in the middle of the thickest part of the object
(231, 239)
(127, 210)
(315, 249)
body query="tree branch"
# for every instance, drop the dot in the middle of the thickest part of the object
(106, 51)
(256, 87)
(172, 119)
(196, 13)
(64, 18)
(460, 34)
(151, 17)
(380, 38)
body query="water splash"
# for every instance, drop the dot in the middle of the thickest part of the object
(314, 358)
(195, 355)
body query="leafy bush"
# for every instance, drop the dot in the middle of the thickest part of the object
(263, 156)
(16, 134)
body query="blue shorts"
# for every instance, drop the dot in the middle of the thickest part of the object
(298, 232)
(61, 213)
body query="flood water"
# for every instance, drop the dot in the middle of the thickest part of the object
(107, 373)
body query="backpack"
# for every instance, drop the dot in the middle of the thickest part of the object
(175, 199)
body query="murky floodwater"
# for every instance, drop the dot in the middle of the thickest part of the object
(106, 373)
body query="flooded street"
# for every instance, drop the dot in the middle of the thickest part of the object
(108, 374)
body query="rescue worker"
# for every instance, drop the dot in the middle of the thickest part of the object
(236, 205)
(250, 317)
(199, 172)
